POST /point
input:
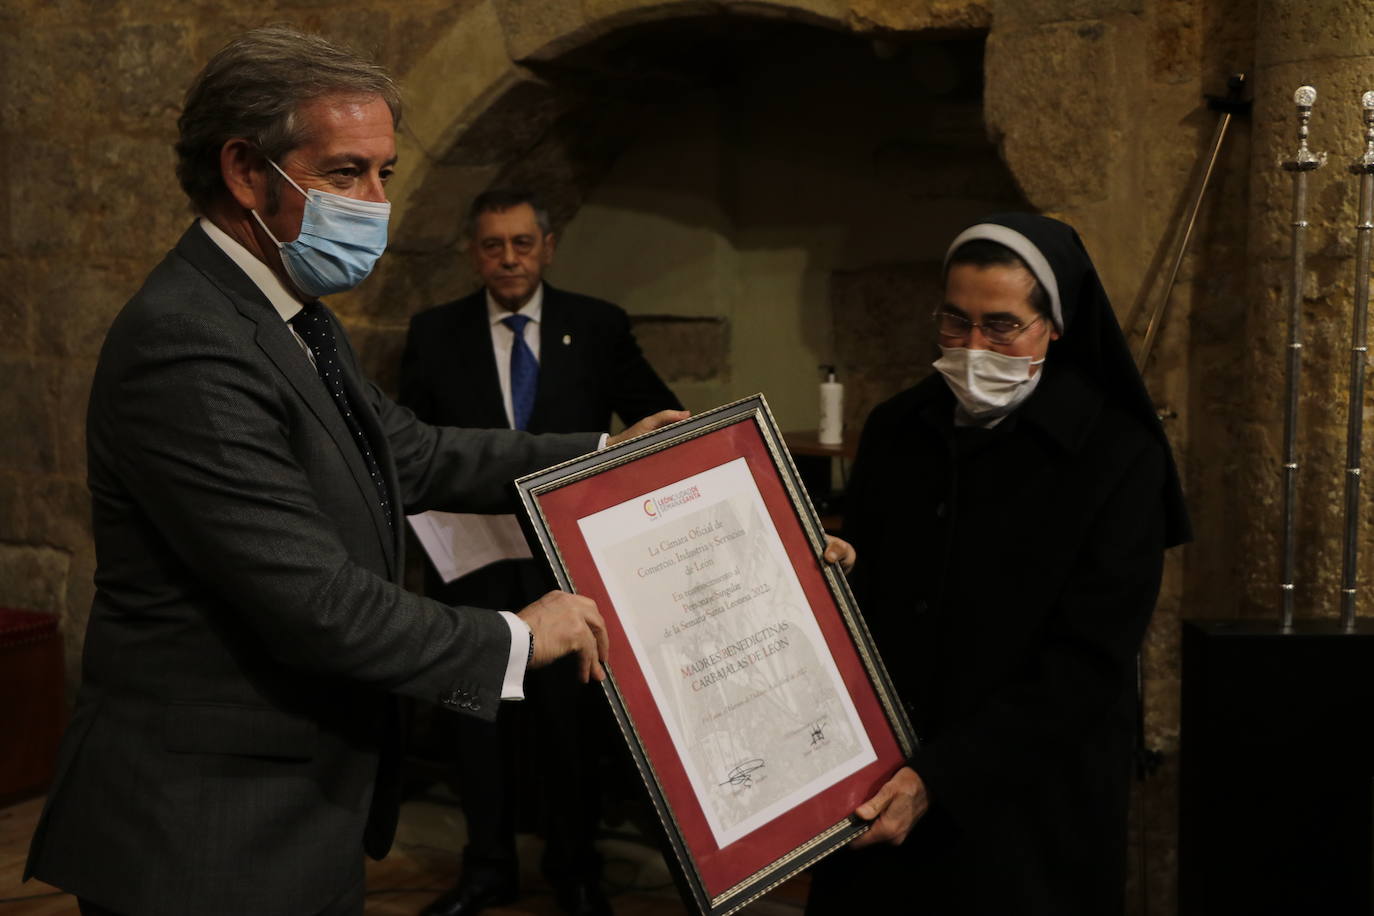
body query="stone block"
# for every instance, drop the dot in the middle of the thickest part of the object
(10, 231)
(871, 309)
(1053, 110)
(575, 155)
(59, 513)
(511, 123)
(71, 395)
(905, 16)
(825, 13)
(536, 29)
(26, 414)
(1017, 12)
(617, 14)
(40, 92)
(683, 349)
(14, 507)
(364, 31)
(450, 84)
(33, 578)
(414, 30)
(130, 74)
(433, 219)
(1175, 42)
(75, 303)
(144, 70)
(15, 315)
(115, 197)
(1292, 32)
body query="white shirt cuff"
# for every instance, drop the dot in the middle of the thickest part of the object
(514, 686)
(601, 443)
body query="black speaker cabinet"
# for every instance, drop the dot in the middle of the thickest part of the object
(1276, 777)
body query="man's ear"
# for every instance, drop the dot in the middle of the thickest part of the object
(548, 249)
(244, 172)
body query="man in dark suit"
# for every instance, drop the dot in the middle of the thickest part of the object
(233, 749)
(519, 353)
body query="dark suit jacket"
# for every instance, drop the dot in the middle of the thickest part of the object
(590, 367)
(232, 748)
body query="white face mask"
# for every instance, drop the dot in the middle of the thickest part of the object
(987, 384)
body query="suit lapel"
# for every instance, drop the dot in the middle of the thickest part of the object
(391, 535)
(475, 372)
(280, 346)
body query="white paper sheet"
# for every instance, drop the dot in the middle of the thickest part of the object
(461, 543)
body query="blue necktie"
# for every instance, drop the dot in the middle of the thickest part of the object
(312, 324)
(524, 371)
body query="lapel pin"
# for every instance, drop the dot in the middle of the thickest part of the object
(567, 339)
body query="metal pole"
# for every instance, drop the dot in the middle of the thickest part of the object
(1228, 107)
(1364, 167)
(1303, 162)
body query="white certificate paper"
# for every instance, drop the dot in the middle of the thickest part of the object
(733, 657)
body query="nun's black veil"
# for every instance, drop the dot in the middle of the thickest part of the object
(1091, 339)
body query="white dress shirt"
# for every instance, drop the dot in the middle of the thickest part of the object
(288, 306)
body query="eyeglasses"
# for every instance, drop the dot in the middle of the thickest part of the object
(1000, 331)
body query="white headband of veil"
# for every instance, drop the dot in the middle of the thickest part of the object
(1025, 249)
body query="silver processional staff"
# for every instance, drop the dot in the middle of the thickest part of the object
(1364, 167)
(1305, 161)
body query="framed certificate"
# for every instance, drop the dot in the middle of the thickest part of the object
(740, 672)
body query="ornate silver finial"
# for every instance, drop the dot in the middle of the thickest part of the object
(1305, 160)
(1365, 164)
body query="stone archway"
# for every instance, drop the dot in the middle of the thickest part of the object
(502, 77)
(554, 103)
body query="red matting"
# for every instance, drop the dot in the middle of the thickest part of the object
(721, 869)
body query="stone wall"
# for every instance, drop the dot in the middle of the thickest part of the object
(1093, 112)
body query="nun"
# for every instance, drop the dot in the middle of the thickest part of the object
(1010, 515)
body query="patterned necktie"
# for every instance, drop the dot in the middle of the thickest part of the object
(524, 371)
(312, 324)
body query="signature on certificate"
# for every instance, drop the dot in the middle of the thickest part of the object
(743, 774)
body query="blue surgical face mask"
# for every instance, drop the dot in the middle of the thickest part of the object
(340, 241)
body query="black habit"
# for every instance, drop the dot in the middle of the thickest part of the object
(1008, 575)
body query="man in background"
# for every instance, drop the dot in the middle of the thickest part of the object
(521, 354)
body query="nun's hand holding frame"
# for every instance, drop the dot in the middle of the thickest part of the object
(740, 672)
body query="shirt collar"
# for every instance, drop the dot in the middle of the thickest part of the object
(286, 304)
(532, 309)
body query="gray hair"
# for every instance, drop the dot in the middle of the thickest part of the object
(499, 200)
(252, 89)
